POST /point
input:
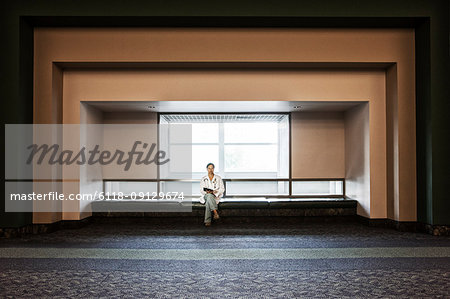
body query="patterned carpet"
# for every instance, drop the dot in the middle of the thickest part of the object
(334, 260)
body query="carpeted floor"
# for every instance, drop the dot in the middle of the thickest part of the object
(333, 260)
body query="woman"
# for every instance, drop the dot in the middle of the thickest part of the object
(211, 198)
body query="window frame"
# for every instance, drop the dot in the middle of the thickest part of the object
(281, 179)
(221, 144)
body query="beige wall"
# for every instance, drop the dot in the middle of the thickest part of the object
(358, 172)
(238, 44)
(90, 175)
(122, 130)
(318, 145)
(392, 143)
(150, 118)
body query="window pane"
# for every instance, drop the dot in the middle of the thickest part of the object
(317, 188)
(193, 187)
(258, 132)
(202, 155)
(180, 161)
(205, 132)
(178, 133)
(257, 188)
(128, 188)
(188, 189)
(251, 158)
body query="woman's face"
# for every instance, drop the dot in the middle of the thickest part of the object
(210, 169)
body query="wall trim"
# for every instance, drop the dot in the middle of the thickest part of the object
(406, 226)
(41, 228)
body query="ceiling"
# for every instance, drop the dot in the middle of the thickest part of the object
(223, 106)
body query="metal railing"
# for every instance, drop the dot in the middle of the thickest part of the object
(289, 195)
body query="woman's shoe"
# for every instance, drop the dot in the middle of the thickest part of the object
(216, 216)
(207, 223)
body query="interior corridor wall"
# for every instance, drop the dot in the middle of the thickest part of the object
(305, 45)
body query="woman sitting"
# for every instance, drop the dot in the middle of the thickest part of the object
(211, 197)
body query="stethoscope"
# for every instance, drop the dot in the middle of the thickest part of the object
(213, 181)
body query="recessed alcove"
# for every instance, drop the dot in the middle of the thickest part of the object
(329, 140)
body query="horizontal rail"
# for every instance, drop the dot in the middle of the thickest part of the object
(225, 195)
(224, 179)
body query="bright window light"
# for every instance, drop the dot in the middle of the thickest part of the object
(239, 145)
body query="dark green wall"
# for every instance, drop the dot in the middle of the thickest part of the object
(430, 18)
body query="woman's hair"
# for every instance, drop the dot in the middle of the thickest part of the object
(210, 164)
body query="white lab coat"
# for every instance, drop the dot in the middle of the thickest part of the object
(215, 184)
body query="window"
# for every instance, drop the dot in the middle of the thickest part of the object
(246, 146)
(250, 151)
